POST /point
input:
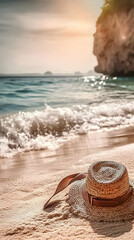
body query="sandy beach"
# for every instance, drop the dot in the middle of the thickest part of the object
(27, 181)
(66, 102)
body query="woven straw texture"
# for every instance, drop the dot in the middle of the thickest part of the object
(107, 179)
(122, 212)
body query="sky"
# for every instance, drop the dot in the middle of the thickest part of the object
(47, 35)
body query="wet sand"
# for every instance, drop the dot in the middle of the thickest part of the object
(27, 181)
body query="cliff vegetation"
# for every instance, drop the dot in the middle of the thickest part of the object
(114, 38)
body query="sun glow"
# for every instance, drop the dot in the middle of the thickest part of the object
(55, 35)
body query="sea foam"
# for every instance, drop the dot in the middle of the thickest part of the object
(48, 129)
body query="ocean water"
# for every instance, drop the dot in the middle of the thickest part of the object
(42, 112)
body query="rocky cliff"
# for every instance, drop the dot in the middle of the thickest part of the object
(114, 43)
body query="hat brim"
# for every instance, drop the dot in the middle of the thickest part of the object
(79, 207)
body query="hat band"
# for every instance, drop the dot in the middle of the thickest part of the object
(99, 202)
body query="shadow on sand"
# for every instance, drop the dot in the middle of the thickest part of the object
(52, 205)
(111, 229)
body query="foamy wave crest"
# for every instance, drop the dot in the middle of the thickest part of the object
(47, 129)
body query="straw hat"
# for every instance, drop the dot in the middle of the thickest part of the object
(106, 194)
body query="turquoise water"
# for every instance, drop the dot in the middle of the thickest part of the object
(43, 112)
(27, 93)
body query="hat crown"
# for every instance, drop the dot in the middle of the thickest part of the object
(107, 179)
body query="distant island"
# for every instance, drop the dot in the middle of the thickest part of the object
(48, 73)
(114, 38)
(77, 73)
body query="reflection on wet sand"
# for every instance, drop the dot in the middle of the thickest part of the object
(59, 159)
(28, 180)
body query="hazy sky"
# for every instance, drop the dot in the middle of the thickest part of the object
(41, 35)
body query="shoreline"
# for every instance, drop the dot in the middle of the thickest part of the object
(72, 150)
(28, 180)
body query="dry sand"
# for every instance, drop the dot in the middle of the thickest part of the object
(27, 181)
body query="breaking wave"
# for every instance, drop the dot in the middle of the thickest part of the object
(48, 129)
